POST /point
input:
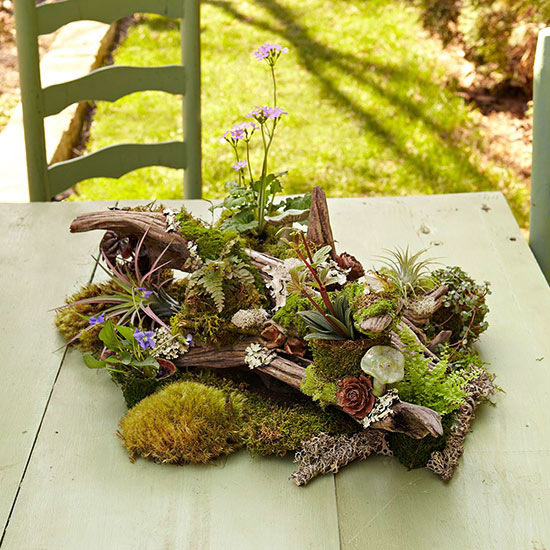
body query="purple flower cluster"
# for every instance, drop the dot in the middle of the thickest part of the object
(241, 165)
(145, 338)
(270, 52)
(243, 130)
(261, 114)
(97, 320)
(144, 292)
(189, 340)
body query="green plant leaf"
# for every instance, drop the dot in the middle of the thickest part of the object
(108, 336)
(92, 363)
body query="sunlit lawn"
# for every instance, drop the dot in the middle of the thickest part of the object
(368, 113)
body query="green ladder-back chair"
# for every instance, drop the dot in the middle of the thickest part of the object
(109, 84)
(539, 239)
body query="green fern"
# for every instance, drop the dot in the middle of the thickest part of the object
(436, 386)
(212, 274)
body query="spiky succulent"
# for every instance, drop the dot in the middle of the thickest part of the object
(408, 272)
(331, 326)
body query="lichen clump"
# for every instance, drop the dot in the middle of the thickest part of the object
(184, 422)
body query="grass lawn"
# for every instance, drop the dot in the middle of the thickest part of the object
(368, 112)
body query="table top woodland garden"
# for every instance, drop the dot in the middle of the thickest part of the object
(360, 336)
(66, 481)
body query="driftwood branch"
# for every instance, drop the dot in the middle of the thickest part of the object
(407, 418)
(319, 230)
(125, 223)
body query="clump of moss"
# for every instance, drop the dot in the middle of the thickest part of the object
(273, 423)
(73, 320)
(288, 316)
(135, 389)
(275, 428)
(366, 306)
(335, 359)
(184, 422)
(319, 389)
(415, 453)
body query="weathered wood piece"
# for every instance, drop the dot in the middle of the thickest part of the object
(407, 418)
(172, 246)
(319, 229)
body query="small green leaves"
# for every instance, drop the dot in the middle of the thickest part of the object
(325, 326)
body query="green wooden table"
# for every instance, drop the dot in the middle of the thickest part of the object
(66, 482)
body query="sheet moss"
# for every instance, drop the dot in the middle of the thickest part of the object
(335, 359)
(288, 316)
(318, 388)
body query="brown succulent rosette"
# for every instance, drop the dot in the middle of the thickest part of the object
(347, 261)
(355, 395)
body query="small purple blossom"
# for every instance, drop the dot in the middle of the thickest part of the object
(241, 165)
(145, 293)
(144, 338)
(270, 52)
(261, 114)
(97, 320)
(189, 340)
(243, 130)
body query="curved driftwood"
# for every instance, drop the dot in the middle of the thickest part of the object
(413, 420)
(171, 245)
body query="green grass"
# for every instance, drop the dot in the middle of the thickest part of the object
(368, 111)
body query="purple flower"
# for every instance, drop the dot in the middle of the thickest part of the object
(261, 114)
(270, 52)
(243, 130)
(145, 339)
(146, 293)
(189, 340)
(97, 320)
(241, 165)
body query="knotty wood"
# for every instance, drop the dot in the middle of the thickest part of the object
(319, 229)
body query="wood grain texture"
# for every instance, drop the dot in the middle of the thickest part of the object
(37, 272)
(113, 82)
(81, 492)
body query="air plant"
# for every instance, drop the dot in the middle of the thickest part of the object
(408, 272)
(312, 279)
(137, 296)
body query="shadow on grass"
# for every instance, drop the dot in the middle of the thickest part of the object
(315, 56)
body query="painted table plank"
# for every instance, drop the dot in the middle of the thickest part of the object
(80, 491)
(100, 500)
(498, 497)
(37, 271)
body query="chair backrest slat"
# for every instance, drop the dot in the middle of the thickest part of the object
(539, 234)
(115, 161)
(109, 84)
(55, 15)
(112, 83)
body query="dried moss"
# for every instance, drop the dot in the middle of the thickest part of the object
(72, 320)
(185, 422)
(318, 388)
(335, 359)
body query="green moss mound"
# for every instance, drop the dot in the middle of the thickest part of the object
(318, 388)
(288, 316)
(335, 359)
(275, 429)
(71, 321)
(185, 422)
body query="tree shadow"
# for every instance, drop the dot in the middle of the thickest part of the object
(316, 56)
